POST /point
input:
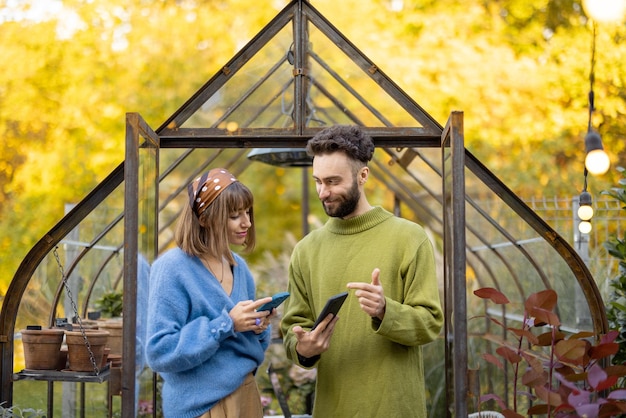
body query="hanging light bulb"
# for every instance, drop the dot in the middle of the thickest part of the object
(605, 10)
(596, 161)
(584, 227)
(585, 211)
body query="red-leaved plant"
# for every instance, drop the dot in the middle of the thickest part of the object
(566, 376)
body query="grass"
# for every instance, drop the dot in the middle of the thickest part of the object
(28, 394)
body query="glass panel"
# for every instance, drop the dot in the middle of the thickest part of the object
(261, 93)
(343, 93)
(89, 258)
(508, 254)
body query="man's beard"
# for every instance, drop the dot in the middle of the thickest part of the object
(347, 205)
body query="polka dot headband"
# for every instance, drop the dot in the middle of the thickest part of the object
(205, 189)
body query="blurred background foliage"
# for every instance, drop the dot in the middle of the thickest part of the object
(72, 69)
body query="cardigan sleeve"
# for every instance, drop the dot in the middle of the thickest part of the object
(175, 346)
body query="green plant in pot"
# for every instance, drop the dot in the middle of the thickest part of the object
(110, 304)
(565, 376)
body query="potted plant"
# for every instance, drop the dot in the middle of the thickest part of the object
(110, 305)
(564, 375)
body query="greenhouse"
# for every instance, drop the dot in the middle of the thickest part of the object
(295, 77)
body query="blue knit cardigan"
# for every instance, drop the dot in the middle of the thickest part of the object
(191, 342)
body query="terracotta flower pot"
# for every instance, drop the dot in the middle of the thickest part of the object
(42, 348)
(78, 356)
(115, 328)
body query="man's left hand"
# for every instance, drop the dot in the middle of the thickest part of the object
(371, 296)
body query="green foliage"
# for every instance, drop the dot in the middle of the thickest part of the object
(17, 412)
(619, 192)
(64, 95)
(110, 304)
(616, 307)
(564, 374)
(63, 100)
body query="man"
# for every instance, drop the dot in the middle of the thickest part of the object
(368, 357)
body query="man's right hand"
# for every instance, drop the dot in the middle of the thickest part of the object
(314, 343)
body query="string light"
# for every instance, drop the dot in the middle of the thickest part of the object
(596, 160)
(585, 211)
(584, 227)
(608, 11)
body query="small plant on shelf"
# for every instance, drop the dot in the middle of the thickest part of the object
(566, 376)
(110, 304)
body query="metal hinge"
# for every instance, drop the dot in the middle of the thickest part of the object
(299, 71)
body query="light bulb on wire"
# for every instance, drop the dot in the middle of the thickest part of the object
(606, 11)
(584, 227)
(597, 161)
(585, 210)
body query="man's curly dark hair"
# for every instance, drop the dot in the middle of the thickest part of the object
(350, 139)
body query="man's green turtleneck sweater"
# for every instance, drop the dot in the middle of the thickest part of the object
(373, 368)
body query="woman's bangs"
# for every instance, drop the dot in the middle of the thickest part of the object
(239, 197)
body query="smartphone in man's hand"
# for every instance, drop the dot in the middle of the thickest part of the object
(332, 306)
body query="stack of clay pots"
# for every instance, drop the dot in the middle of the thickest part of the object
(43, 349)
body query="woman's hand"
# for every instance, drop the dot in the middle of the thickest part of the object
(246, 318)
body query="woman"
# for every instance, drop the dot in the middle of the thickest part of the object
(205, 337)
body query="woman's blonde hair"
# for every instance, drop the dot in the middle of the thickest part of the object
(208, 233)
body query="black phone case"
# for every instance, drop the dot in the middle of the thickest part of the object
(332, 306)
